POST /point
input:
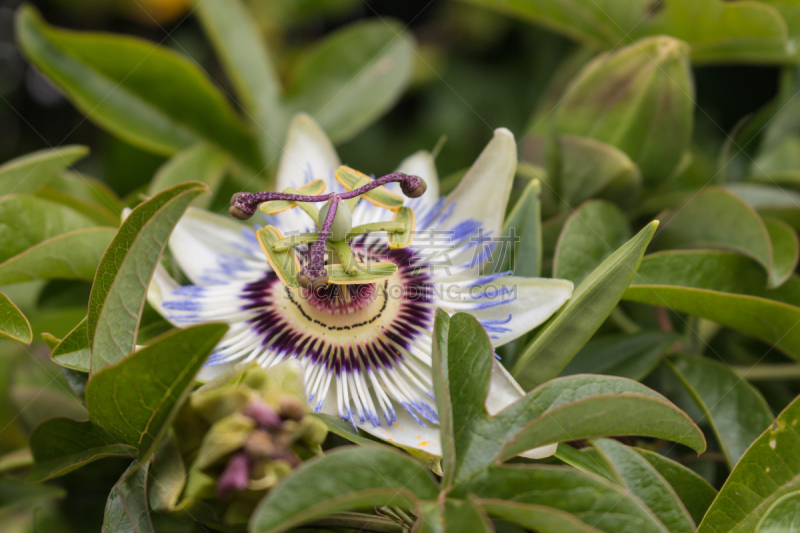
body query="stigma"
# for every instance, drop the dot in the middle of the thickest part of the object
(330, 259)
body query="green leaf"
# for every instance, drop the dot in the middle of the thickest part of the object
(637, 475)
(87, 188)
(462, 362)
(717, 218)
(77, 381)
(717, 31)
(430, 518)
(13, 324)
(167, 476)
(466, 516)
(26, 221)
(785, 250)
(27, 173)
(353, 76)
(111, 78)
(61, 445)
(776, 202)
(242, 50)
(100, 214)
(376, 476)
(590, 235)
(736, 410)
(769, 469)
(589, 169)
(535, 517)
(445, 407)
(71, 255)
(720, 31)
(573, 325)
(137, 398)
(551, 231)
(764, 196)
(725, 288)
(120, 287)
(586, 460)
(346, 430)
(694, 491)
(631, 356)
(638, 99)
(73, 351)
(778, 164)
(591, 499)
(563, 409)
(16, 495)
(523, 253)
(572, 408)
(126, 508)
(783, 516)
(603, 23)
(21, 458)
(202, 163)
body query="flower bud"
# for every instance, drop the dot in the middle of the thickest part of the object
(639, 99)
(241, 434)
(264, 415)
(342, 222)
(236, 475)
(291, 409)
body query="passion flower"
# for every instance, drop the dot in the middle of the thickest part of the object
(364, 341)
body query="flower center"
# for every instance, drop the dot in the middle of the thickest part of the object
(341, 299)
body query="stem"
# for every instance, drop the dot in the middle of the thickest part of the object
(346, 257)
(316, 262)
(623, 321)
(390, 226)
(768, 372)
(294, 240)
(359, 522)
(695, 339)
(664, 323)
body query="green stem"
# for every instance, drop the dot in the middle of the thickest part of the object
(696, 341)
(390, 226)
(359, 522)
(768, 372)
(310, 209)
(294, 240)
(346, 257)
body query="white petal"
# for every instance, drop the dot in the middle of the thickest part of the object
(503, 391)
(483, 192)
(307, 155)
(201, 238)
(161, 286)
(404, 432)
(407, 432)
(529, 303)
(421, 164)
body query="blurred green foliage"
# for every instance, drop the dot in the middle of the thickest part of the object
(685, 111)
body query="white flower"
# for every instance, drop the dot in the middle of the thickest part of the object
(366, 356)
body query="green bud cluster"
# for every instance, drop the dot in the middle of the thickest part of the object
(239, 435)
